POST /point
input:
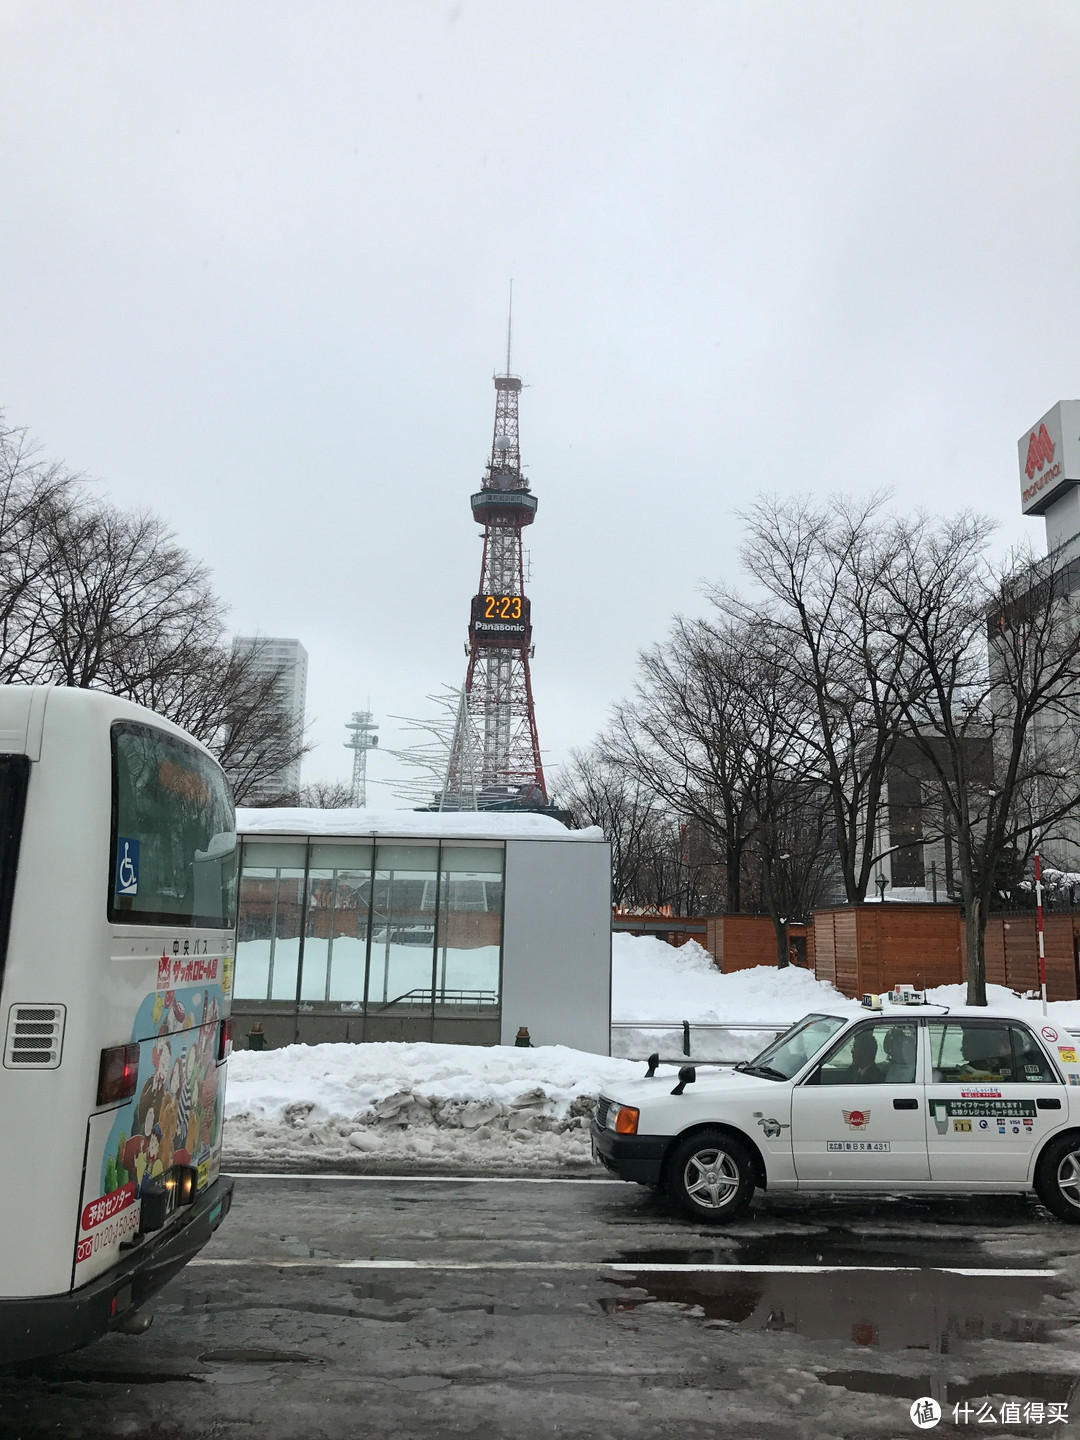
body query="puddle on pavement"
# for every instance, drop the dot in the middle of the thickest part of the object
(924, 1310)
(259, 1357)
(819, 1247)
(50, 1373)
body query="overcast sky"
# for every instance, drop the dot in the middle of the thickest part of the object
(254, 261)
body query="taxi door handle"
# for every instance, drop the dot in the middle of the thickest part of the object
(1044, 1104)
(911, 1104)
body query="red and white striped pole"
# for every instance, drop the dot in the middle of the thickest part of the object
(1039, 928)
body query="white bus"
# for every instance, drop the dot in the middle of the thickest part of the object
(117, 898)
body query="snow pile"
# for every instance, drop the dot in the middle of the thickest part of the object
(409, 824)
(497, 1108)
(390, 1105)
(652, 981)
(1064, 1014)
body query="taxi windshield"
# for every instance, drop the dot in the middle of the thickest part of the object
(787, 1055)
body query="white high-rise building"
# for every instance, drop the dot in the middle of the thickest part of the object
(273, 653)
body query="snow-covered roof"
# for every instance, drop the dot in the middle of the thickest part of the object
(409, 824)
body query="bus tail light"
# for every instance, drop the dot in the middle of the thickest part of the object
(225, 1040)
(118, 1075)
(165, 1194)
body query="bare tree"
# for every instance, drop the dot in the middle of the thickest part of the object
(101, 598)
(996, 710)
(33, 494)
(120, 604)
(231, 702)
(793, 837)
(823, 568)
(326, 795)
(717, 732)
(657, 856)
(684, 737)
(599, 793)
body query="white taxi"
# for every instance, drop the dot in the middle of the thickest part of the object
(903, 1098)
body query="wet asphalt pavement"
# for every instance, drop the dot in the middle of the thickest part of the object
(408, 1307)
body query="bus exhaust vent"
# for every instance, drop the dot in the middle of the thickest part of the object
(35, 1037)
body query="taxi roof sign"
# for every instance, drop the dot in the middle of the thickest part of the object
(898, 995)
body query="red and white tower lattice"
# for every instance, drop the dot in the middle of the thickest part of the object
(494, 758)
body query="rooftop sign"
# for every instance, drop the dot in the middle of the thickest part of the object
(1050, 457)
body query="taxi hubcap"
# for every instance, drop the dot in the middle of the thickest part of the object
(1068, 1178)
(712, 1178)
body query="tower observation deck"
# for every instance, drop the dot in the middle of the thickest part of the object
(494, 758)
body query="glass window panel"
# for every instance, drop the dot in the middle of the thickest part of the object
(348, 939)
(174, 833)
(470, 927)
(403, 927)
(788, 1053)
(285, 947)
(318, 926)
(342, 857)
(962, 1051)
(1029, 1063)
(254, 930)
(406, 857)
(867, 1056)
(274, 854)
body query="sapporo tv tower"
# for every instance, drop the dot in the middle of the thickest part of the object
(495, 753)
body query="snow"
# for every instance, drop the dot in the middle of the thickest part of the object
(410, 824)
(1063, 1014)
(651, 980)
(657, 982)
(499, 1109)
(472, 1107)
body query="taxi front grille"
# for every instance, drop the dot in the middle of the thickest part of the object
(35, 1037)
(603, 1109)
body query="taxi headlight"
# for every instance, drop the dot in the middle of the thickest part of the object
(626, 1120)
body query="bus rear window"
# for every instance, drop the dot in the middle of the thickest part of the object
(174, 833)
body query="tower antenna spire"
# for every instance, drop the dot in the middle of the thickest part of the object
(495, 760)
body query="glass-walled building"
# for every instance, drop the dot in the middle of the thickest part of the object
(353, 936)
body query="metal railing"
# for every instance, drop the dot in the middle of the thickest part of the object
(689, 1029)
(420, 996)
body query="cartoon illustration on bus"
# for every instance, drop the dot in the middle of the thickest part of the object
(175, 1117)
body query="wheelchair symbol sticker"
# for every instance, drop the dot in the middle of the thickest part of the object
(127, 866)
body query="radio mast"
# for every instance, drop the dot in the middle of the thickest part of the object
(494, 760)
(362, 738)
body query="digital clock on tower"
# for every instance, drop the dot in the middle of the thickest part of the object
(500, 607)
(504, 617)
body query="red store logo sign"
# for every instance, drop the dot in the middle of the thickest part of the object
(1040, 452)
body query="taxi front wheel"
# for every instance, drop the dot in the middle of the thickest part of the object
(1057, 1178)
(711, 1176)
